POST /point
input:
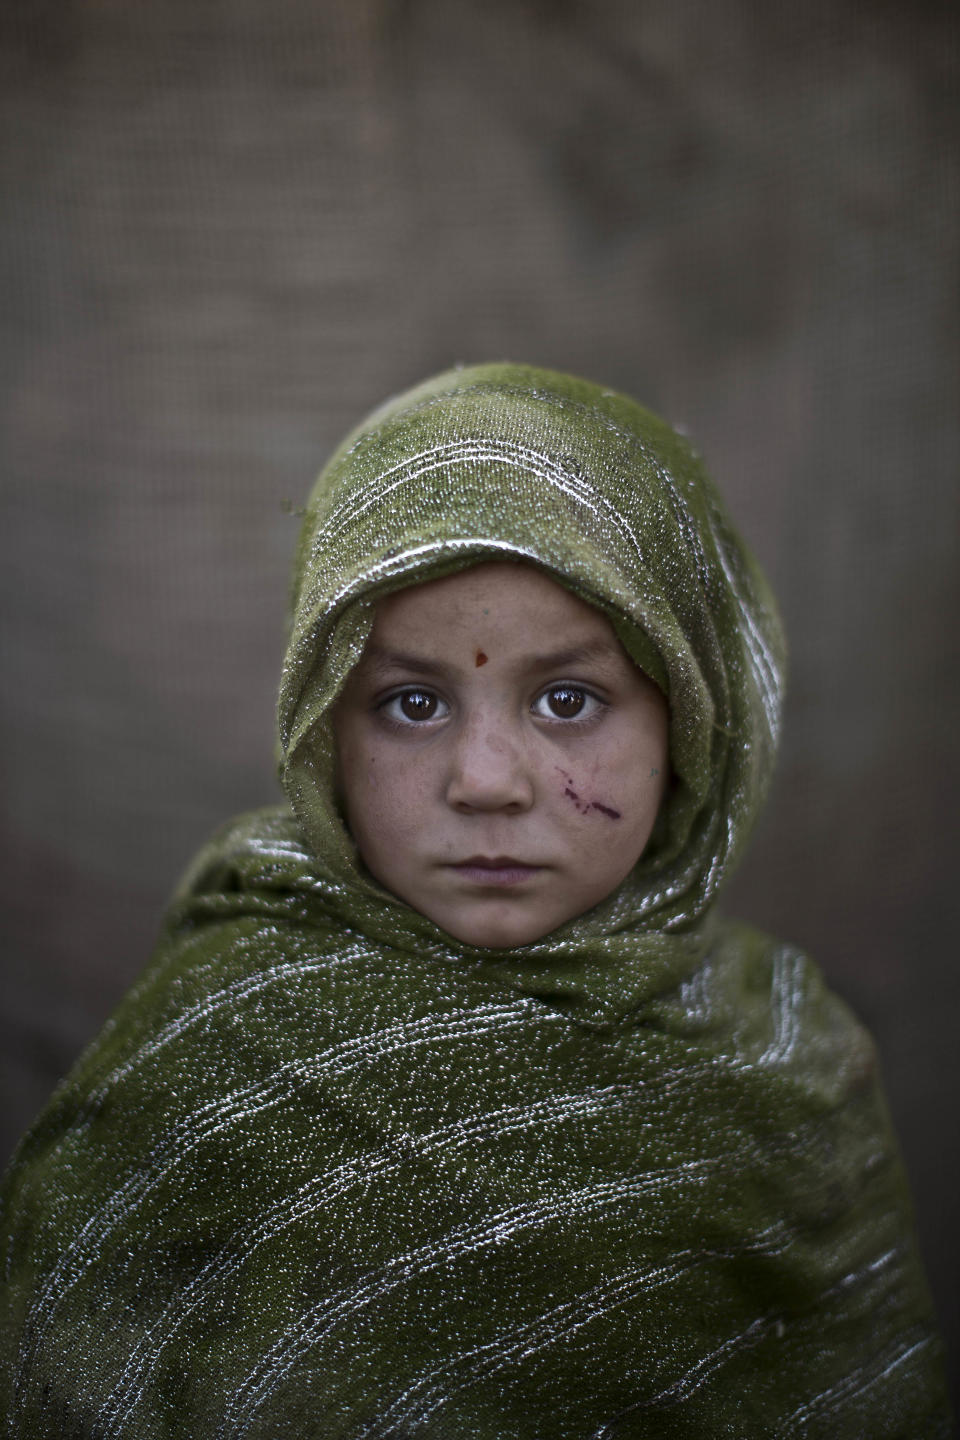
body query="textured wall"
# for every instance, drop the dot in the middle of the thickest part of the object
(228, 229)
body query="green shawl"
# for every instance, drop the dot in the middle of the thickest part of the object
(329, 1173)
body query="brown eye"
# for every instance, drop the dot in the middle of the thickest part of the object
(418, 704)
(568, 702)
(565, 702)
(414, 705)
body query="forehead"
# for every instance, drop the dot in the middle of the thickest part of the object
(493, 595)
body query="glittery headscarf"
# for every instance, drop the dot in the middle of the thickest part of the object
(328, 1174)
(510, 462)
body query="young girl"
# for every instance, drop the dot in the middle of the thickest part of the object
(449, 1107)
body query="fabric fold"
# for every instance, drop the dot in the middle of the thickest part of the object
(329, 1174)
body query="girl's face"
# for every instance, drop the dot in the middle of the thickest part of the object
(501, 759)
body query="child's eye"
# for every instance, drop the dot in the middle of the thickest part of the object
(413, 705)
(566, 702)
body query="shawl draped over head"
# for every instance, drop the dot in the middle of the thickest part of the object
(331, 1173)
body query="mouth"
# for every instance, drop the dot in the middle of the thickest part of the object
(499, 870)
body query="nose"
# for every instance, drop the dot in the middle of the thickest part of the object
(488, 770)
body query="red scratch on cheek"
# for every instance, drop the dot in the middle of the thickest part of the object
(568, 789)
(585, 806)
(481, 658)
(605, 809)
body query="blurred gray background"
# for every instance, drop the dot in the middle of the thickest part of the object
(228, 229)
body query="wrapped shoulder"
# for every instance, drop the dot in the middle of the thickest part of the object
(261, 849)
(765, 1003)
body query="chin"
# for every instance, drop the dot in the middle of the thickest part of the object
(500, 932)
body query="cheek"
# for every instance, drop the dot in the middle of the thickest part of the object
(384, 799)
(643, 791)
(582, 796)
(616, 794)
(610, 783)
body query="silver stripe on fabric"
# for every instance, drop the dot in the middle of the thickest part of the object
(853, 1385)
(234, 1109)
(461, 452)
(374, 1166)
(494, 1230)
(431, 1390)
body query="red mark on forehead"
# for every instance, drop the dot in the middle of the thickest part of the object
(481, 658)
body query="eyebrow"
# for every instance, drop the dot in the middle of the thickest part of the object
(578, 655)
(382, 659)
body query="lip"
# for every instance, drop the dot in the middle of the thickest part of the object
(497, 870)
